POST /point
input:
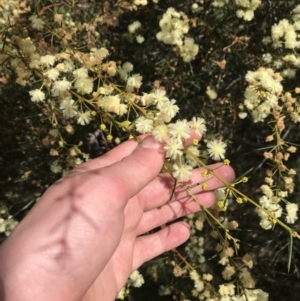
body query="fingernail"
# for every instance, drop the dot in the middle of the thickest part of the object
(150, 142)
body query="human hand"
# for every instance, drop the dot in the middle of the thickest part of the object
(85, 235)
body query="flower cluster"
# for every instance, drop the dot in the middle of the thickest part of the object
(72, 89)
(65, 82)
(198, 284)
(246, 8)
(124, 70)
(263, 92)
(195, 248)
(136, 279)
(7, 224)
(265, 96)
(172, 135)
(292, 212)
(211, 93)
(188, 50)
(233, 267)
(174, 25)
(133, 27)
(140, 2)
(285, 33)
(220, 3)
(272, 200)
(11, 11)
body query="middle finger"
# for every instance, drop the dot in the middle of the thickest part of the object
(159, 191)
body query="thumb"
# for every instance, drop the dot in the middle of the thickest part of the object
(137, 170)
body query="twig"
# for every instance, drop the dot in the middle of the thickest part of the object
(44, 9)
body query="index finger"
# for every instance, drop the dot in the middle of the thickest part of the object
(121, 151)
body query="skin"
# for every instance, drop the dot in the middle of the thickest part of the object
(85, 236)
